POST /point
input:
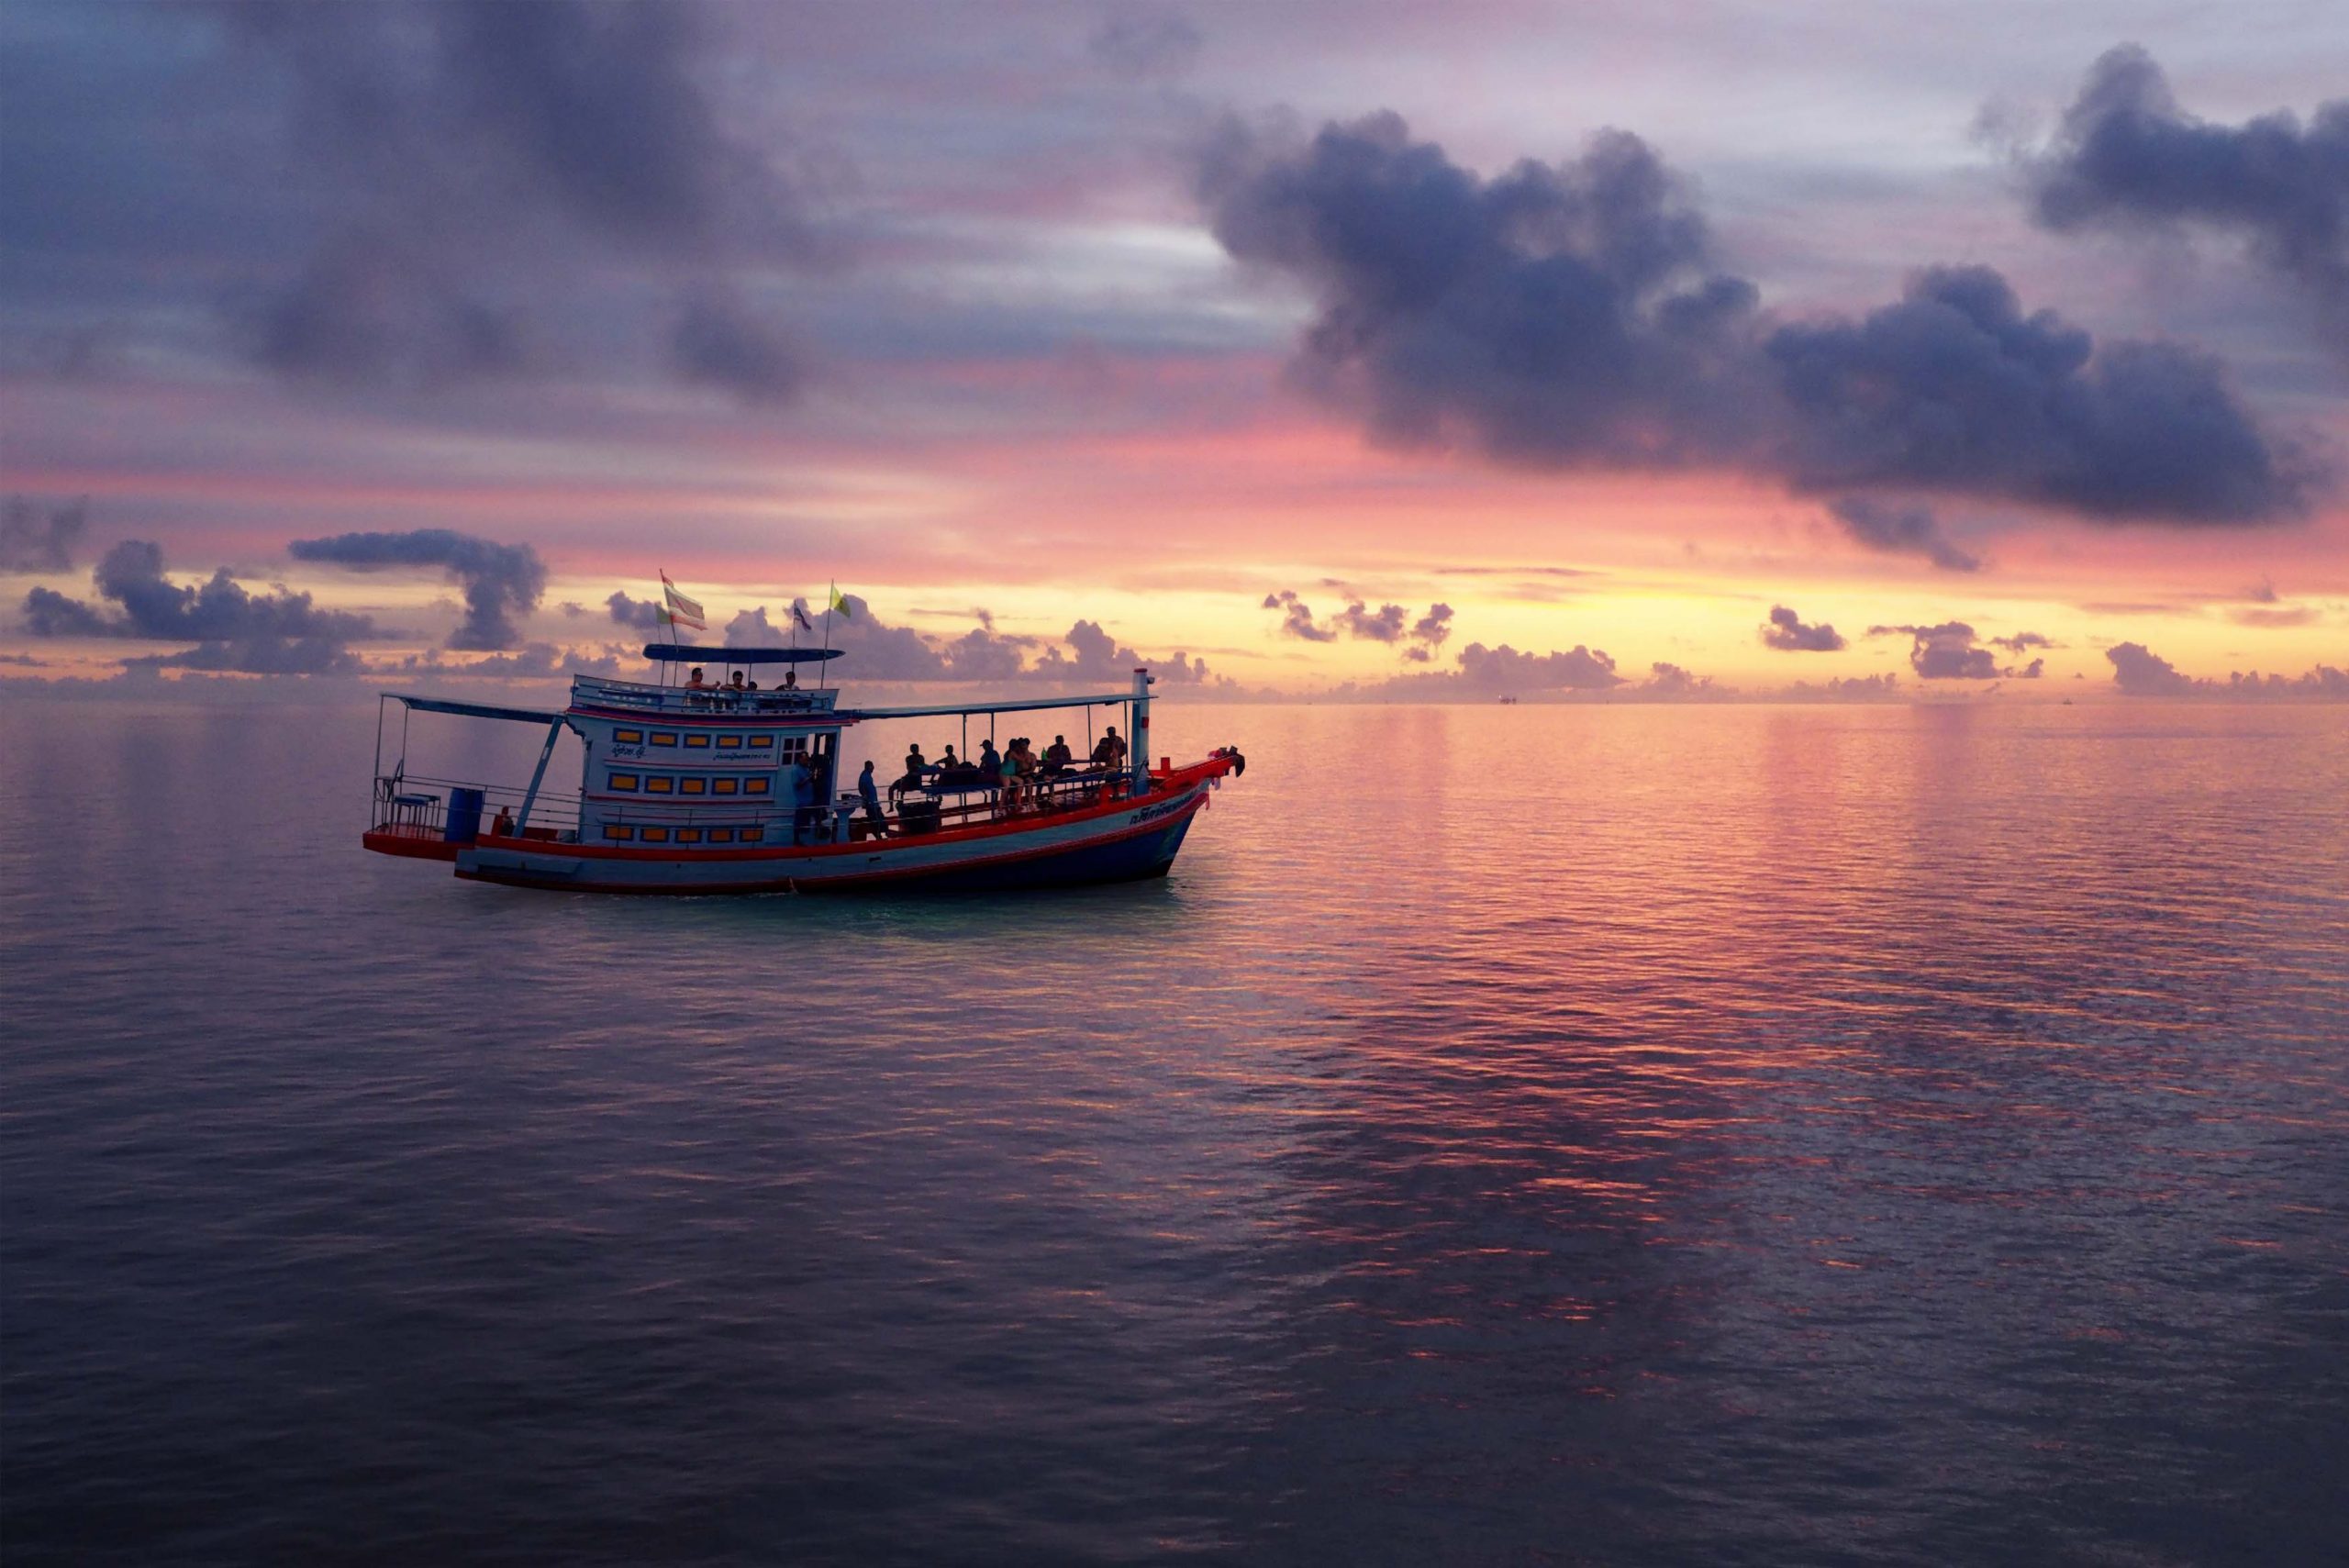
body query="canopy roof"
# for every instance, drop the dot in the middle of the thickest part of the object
(476, 709)
(1027, 706)
(686, 653)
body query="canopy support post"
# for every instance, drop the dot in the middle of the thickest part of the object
(538, 776)
(1138, 706)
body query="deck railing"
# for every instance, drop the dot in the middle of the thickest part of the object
(639, 697)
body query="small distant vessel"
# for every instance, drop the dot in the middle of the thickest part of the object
(1508, 702)
(733, 789)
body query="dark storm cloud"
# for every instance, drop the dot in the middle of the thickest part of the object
(2126, 155)
(1504, 667)
(1944, 652)
(41, 539)
(1897, 530)
(716, 343)
(1570, 315)
(1954, 389)
(263, 656)
(500, 581)
(479, 179)
(644, 615)
(1787, 634)
(1139, 42)
(1558, 314)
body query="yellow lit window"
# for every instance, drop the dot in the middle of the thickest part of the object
(721, 834)
(621, 782)
(656, 785)
(656, 835)
(618, 831)
(628, 737)
(702, 742)
(663, 738)
(762, 743)
(689, 835)
(730, 742)
(726, 786)
(755, 786)
(693, 786)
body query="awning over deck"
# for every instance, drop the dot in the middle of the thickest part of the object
(686, 653)
(950, 710)
(476, 709)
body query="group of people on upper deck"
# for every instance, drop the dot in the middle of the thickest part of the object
(740, 684)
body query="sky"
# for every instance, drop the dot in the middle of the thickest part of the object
(1676, 349)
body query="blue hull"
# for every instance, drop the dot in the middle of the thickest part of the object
(1136, 859)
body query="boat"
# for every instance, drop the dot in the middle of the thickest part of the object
(686, 788)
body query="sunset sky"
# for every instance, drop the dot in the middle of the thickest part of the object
(1989, 336)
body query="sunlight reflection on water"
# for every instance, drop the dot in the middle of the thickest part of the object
(1614, 1134)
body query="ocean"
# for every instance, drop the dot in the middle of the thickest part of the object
(1513, 1135)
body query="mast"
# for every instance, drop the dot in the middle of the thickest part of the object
(1139, 724)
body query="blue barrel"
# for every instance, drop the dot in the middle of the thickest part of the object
(464, 816)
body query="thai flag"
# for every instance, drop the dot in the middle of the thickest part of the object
(683, 611)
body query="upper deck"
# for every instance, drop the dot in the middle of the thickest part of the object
(643, 699)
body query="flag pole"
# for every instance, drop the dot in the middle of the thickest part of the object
(824, 671)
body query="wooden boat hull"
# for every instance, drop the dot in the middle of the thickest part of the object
(1120, 841)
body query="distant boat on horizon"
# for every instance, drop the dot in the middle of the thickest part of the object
(696, 788)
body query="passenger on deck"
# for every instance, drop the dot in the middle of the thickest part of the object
(1057, 756)
(1008, 775)
(871, 793)
(797, 789)
(990, 760)
(1112, 752)
(504, 827)
(694, 682)
(736, 683)
(916, 774)
(790, 681)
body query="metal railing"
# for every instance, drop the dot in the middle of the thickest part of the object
(639, 697)
(417, 804)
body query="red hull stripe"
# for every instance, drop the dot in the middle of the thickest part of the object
(1181, 778)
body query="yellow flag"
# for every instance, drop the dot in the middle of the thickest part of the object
(840, 604)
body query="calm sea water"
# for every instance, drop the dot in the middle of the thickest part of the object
(1625, 1135)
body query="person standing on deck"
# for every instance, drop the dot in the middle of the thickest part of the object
(871, 794)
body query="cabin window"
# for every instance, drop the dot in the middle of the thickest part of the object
(618, 831)
(656, 835)
(656, 785)
(628, 737)
(689, 835)
(663, 738)
(721, 834)
(693, 786)
(756, 785)
(697, 742)
(626, 782)
(795, 746)
(726, 786)
(730, 742)
(760, 742)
